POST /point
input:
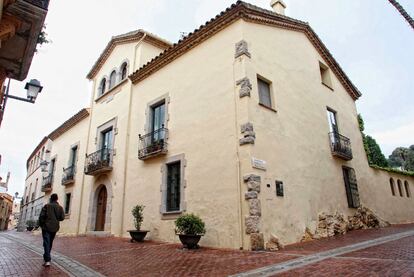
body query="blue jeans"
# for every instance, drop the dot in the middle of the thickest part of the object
(48, 238)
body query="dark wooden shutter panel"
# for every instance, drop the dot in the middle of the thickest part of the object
(351, 187)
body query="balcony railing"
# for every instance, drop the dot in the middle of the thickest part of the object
(340, 146)
(153, 144)
(99, 162)
(43, 4)
(47, 183)
(68, 176)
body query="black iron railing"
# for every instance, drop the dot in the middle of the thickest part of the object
(98, 161)
(153, 143)
(43, 4)
(68, 175)
(340, 146)
(47, 182)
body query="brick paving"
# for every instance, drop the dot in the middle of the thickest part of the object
(119, 257)
(18, 261)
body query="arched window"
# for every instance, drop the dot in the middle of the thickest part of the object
(392, 185)
(400, 187)
(407, 189)
(124, 71)
(102, 87)
(112, 79)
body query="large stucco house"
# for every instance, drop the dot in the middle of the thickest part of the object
(248, 122)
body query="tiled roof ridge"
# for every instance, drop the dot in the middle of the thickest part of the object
(251, 13)
(72, 121)
(123, 38)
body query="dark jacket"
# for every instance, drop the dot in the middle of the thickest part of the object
(50, 216)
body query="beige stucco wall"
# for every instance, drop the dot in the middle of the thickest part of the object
(199, 87)
(294, 140)
(204, 115)
(61, 151)
(113, 107)
(34, 173)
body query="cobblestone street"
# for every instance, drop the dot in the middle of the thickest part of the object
(383, 252)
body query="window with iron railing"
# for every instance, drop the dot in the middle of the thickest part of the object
(153, 143)
(99, 160)
(68, 174)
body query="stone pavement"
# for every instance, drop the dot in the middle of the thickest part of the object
(382, 252)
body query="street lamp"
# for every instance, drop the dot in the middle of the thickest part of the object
(33, 88)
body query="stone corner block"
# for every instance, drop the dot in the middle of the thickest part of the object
(250, 195)
(254, 207)
(256, 241)
(246, 127)
(247, 140)
(251, 177)
(245, 87)
(252, 224)
(253, 186)
(242, 48)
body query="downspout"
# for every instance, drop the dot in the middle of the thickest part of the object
(128, 138)
(238, 164)
(86, 151)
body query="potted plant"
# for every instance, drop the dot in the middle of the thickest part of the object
(138, 234)
(30, 224)
(189, 229)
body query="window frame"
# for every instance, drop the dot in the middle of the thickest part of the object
(352, 194)
(325, 74)
(407, 189)
(400, 190)
(164, 186)
(68, 206)
(392, 186)
(102, 86)
(112, 83)
(269, 83)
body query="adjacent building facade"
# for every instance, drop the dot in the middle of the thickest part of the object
(6, 206)
(248, 122)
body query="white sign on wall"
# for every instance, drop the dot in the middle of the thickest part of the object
(259, 164)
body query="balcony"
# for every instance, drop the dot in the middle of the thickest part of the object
(47, 183)
(99, 162)
(340, 146)
(153, 144)
(68, 176)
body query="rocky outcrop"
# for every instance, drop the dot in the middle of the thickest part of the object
(331, 225)
(364, 218)
(273, 244)
(307, 236)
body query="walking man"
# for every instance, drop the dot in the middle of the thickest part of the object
(49, 219)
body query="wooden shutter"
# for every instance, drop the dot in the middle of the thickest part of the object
(264, 93)
(351, 187)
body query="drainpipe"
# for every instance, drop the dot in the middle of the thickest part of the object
(86, 151)
(238, 164)
(128, 139)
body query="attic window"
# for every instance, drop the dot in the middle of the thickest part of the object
(325, 75)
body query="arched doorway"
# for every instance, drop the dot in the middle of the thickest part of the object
(101, 209)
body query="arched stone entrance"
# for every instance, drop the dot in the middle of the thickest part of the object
(100, 206)
(101, 209)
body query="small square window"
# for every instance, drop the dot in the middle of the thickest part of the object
(265, 97)
(325, 75)
(279, 188)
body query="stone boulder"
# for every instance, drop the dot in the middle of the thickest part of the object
(364, 218)
(273, 244)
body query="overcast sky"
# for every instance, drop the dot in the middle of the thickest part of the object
(371, 41)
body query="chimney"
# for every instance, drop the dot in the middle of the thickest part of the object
(278, 6)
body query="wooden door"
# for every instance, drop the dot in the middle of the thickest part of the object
(101, 210)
